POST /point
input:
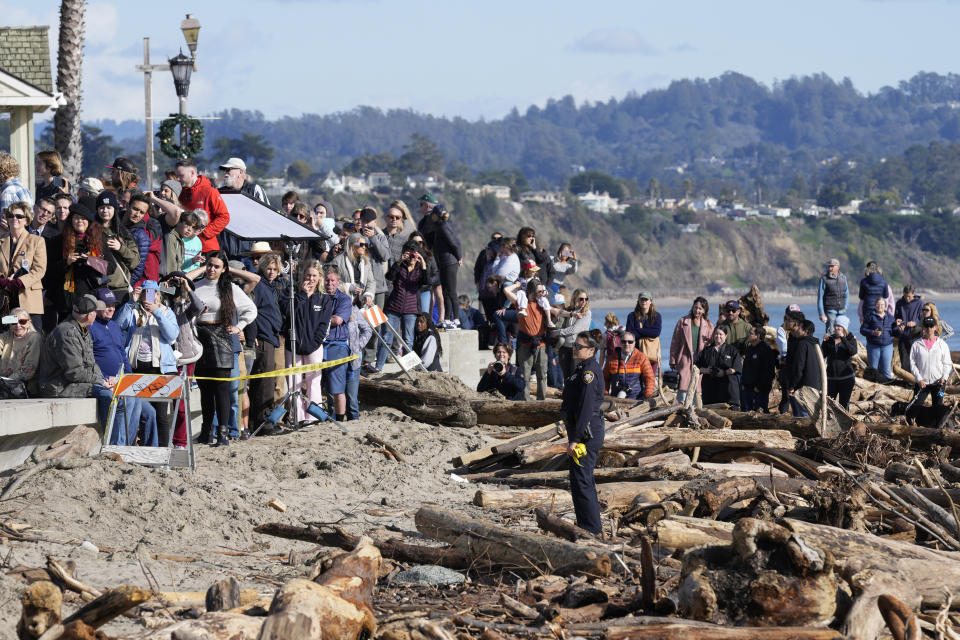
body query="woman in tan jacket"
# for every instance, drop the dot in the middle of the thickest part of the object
(23, 262)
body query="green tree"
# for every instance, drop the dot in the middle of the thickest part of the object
(298, 171)
(99, 150)
(488, 208)
(596, 181)
(370, 163)
(421, 155)
(685, 216)
(251, 148)
(458, 172)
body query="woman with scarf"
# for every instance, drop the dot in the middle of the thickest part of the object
(356, 274)
(79, 259)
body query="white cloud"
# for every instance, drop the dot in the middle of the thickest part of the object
(616, 40)
(100, 23)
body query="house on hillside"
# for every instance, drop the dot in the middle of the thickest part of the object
(26, 89)
(333, 183)
(354, 184)
(378, 179)
(499, 191)
(601, 202)
(547, 197)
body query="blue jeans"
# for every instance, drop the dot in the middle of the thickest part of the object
(104, 397)
(501, 321)
(425, 298)
(754, 401)
(353, 391)
(880, 358)
(409, 321)
(234, 425)
(831, 318)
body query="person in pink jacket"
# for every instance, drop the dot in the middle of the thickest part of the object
(690, 336)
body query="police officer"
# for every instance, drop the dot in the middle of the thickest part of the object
(582, 414)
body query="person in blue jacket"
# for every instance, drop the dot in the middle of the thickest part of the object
(583, 415)
(337, 343)
(110, 354)
(507, 379)
(150, 330)
(879, 328)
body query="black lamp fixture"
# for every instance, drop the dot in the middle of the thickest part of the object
(181, 67)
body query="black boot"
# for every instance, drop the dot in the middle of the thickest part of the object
(223, 439)
(206, 435)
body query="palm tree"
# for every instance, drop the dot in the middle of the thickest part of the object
(66, 121)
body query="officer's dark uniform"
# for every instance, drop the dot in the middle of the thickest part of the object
(582, 399)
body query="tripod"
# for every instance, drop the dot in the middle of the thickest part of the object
(289, 405)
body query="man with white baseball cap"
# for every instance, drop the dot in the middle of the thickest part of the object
(235, 179)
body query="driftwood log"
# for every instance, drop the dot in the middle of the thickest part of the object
(665, 465)
(612, 495)
(492, 545)
(679, 438)
(439, 407)
(390, 548)
(334, 605)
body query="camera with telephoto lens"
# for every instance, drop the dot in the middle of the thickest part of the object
(619, 388)
(498, 367)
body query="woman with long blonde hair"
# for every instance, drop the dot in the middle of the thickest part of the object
(929, 309)
(396, 229)
(577, 318)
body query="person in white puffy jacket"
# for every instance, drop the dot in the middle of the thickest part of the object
(931, 366)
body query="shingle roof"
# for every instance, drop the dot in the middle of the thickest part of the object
(25, 53)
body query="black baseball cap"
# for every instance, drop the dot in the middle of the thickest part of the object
(122, 164)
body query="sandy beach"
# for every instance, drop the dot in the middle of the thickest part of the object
(183, 525)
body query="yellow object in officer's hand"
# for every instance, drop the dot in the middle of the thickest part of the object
(579, 450)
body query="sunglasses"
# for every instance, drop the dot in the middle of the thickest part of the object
(583, 299)
(17, 216)
(578, 347)
(300, 216)
(361, 245)
(395, 217)
(23, 322)
(629, 342)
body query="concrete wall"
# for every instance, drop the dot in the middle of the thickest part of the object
(26, 424)
(462, 356)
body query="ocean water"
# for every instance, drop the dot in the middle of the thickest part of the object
(949, 311)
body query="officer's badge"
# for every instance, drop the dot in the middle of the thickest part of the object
(588, 377)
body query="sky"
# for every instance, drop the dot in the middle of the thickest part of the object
(479, 60)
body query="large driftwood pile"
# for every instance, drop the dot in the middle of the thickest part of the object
(336, 603)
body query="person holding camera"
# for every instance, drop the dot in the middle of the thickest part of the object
(720, 363)
(501, 376)
(79, 259)
(629, 374)
(150, 330)
(408, 276)
(931, 366)
(564, 264)
(356, 271)
(121, 244)
(839, 347)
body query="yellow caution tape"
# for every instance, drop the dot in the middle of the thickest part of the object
(304, 368)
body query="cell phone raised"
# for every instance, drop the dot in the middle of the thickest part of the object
(150, 295)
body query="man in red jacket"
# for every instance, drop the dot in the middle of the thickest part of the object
(199, 193)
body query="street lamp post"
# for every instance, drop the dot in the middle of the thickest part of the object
(191, 30)
(181, 67)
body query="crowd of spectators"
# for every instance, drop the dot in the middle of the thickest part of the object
(118, 280)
